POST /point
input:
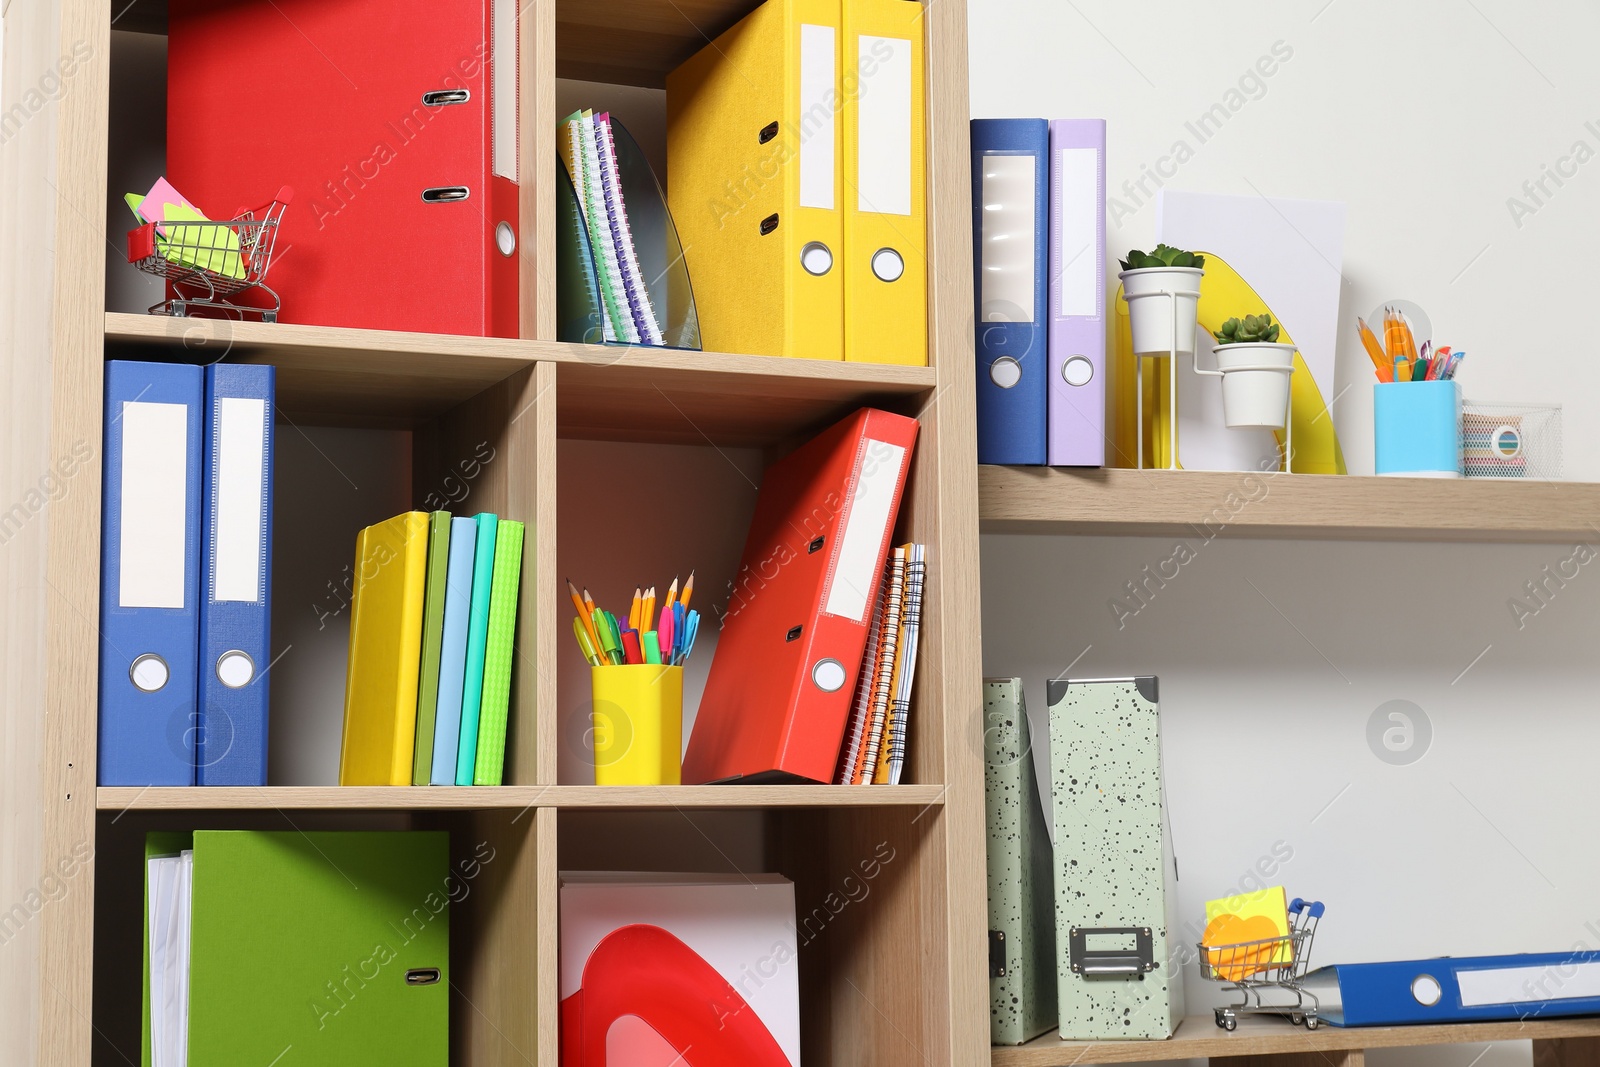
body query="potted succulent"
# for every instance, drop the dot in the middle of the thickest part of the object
(1255, 372)
(1161, 323)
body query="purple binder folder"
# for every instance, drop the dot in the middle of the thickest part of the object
(1077, 405)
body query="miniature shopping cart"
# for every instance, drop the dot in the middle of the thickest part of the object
(1267, 974)
(207, 262)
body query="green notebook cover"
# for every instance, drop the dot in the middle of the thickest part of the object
(477, 643)
(320, 949)
(432, 637)
(491, 762)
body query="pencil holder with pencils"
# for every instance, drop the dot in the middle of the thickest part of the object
(638, 724)
(1417, 429)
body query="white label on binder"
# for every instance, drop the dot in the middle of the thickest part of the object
(1078, 172)
(240, 500)
(1526, 985)
(1009, 231)
(865, 526)
(818, 98)
(503, 88)
(883, 129)
(154, 525)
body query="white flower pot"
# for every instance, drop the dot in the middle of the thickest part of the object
(1255, 384)
(1150, 312)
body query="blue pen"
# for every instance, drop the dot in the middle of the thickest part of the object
(691, 627)
(677, 633)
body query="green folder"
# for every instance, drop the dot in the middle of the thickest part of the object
(491, 761)
(432, 637)
(477, 644)
(320, 949)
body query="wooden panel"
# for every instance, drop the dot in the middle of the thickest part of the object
(547, 1000)
(622, 394)
(549, 587)
(53, 174)
(330, 375)
(1347, 1058)
(1208, 504)
(1199, 1037)
(952, 890)
(637, 42)
(335, 376)
(536, 166)
(495, 940)
(1567, 1052)
(408, 798)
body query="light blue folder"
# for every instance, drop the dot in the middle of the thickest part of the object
(453, 651)
(477, 645)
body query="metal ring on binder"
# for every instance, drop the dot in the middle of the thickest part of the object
(445, 97)
(445, 194)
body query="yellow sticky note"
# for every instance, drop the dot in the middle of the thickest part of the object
(1245, 920)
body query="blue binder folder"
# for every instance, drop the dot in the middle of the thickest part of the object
(477, 646)
(453, 650)
(1458, 989)
(150, 574)
(1011, 245)
(236, 594)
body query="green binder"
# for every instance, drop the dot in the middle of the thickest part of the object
(432, 637)
(498, 653)
(320, 949)
(1022, 942)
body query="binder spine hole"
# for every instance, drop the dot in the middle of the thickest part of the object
(444, 97)
(445, 194)
(769, 224)
(422, 976)
(768, 132)
(793, 634)
(815, 546)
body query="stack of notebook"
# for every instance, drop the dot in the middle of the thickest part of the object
(588, 148)
(431, 643)
(875, 744)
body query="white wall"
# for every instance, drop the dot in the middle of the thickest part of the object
(1423, 118)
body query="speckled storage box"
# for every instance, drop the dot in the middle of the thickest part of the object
(1022, 941)
(1115, 878)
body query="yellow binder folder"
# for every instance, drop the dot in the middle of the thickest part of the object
(885, 218)
(753, 148)
(380, 696)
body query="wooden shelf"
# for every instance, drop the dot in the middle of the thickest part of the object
(637, 42)
(330, 375)
(701, 398)
(1207, 503)
(1199, 1037)
(480, 798)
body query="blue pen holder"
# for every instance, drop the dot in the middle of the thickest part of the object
(1417, 429)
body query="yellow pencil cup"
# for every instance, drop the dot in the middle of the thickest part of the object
(638, 724)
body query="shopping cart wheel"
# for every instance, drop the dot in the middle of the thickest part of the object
(1311, 1022)
(1297, 1018)
(1226, 1020)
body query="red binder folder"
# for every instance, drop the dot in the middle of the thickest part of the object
(778, 695)
(394, 122)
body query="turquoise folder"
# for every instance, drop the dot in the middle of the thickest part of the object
(477, 646)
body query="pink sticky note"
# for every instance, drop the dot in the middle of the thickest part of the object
(161, 197)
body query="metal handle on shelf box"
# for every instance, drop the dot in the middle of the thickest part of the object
(1112, 962)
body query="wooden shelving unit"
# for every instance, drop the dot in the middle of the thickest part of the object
(1274, 1043)
(1204, 503)
(895, 980)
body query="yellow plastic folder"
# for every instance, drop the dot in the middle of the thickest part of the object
(1234, 927)
(638, 724)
